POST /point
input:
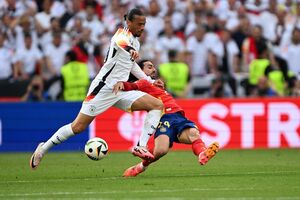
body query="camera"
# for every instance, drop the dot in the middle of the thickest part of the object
(35, 87)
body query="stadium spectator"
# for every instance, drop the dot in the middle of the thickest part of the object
(228, 60)
(7, 26)
(28, 60)
(92, 22)
(148, 50)
(257, 67)
(75, 11)
(254, 9)
(35, 90)
(113, 16)
(178, 19)
(281, 79)
(228, 11)
(18, 8)
(58, 8)
(211, 22)
(88, 52)
(217, 88)
(75, 78)
(155, 22)
(197, 52)
(293, 52)
(239, 35)
(263, 88)
(6, 63)
(168, 41)
(47, 38)
(55, 54)
(282, 30)
(98, 8)
(176, 75)
(268, 21)
(42, 19)
(25, 25)
(249, 48)
(195, 20)
(296, 88)
(76, 30)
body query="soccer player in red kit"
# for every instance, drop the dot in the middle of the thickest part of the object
(173, 125)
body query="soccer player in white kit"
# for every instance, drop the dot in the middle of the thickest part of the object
(119, 63)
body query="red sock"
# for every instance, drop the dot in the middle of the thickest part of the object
(198, 146)
(146, 163)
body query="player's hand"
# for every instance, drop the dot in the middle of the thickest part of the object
(134, 55)
(118, 86)
(159, 83)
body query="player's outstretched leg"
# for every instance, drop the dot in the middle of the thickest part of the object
(142, 152)
(134, 170)
(36, 157)
(208, 153)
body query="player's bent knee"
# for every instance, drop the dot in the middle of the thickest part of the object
(154, 104)
(193, 134)
(158, 105)
(147, 103)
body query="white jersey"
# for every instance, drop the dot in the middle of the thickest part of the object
(117, 67)
(118, 63)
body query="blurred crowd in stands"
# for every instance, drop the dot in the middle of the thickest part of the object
(202, 48)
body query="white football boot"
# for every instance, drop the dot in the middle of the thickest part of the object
(36, 157)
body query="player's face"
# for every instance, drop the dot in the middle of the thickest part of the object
(149, 69)
(137, 25)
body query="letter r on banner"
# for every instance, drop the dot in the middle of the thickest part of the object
(287, 128)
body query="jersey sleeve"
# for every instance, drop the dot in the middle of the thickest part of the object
(139, 74)
(143, 84)
(138, 85)
(122, 39)
(129, 86)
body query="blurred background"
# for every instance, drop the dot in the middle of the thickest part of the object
(231, 48)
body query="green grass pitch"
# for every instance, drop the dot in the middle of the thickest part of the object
(232, 174)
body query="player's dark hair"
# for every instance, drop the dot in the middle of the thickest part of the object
(141, 63)
(133, 12)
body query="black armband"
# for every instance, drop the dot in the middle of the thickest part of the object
(128, 48)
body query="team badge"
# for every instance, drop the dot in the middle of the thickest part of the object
(92, 109)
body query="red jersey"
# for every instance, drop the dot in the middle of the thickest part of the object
(145, 86)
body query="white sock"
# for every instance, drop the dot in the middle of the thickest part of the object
(150, 124)
(58, 137)
(142, 166)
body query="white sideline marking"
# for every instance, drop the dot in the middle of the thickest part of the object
(120, 192)
(119, 177)
(150, 191)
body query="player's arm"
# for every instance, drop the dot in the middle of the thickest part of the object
(125, 86)
(139, 74)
